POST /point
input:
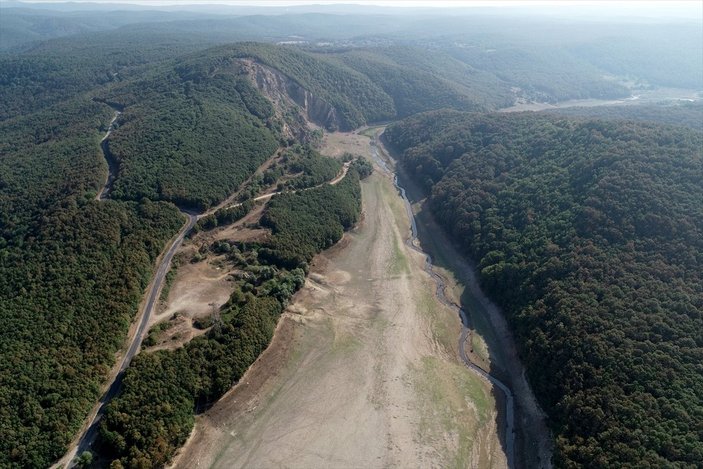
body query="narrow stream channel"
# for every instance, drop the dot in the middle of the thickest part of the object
(112, 165)
(465, 318)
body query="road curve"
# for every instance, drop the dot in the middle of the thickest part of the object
(342, 174)
(465, 319)
(87, 437)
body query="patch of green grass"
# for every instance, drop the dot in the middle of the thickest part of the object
(482, 328)
(397, 206)
(398, 262)
(444, 389)
(429, 306)
(480, 347)
(170, 276)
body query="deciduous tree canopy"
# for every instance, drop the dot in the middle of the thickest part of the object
(153, 415)
(589, 234)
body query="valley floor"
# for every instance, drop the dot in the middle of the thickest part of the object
(363, 369)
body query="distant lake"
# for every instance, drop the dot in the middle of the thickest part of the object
(638, 97)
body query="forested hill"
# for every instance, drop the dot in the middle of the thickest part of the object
(589, 234)
(189, 134)
(352, 96)
(194, 127)
(421, 80)
(689, 114)
(72, 269)
(345, 90)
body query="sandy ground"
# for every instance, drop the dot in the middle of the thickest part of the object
(492, 347)
(199, 289)
(335, 144)
(363, 369)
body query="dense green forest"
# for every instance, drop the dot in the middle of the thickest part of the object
(419, 80)
(372, 85)
(72, 271)
(355, 98)
(154, 413)
(55, 71)
(189, 137)
(447, 75)
(681, 113)
(308, 167)
(589, 235)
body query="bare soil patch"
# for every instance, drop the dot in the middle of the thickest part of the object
(363, 369)
(335, 144)
(199, 289)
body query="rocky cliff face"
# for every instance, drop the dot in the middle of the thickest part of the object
(288, 97)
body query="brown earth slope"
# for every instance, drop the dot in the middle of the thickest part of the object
(363, 370)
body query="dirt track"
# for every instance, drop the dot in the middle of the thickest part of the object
(363, 371)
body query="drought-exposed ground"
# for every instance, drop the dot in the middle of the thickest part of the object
(651, 96)
(490, 346)
(200, 288)
(363, 370)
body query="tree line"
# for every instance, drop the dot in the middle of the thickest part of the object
(588, 234)
(154, 413)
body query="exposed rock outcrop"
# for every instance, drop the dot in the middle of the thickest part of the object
(293, 103)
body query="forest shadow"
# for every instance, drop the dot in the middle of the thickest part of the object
(448, 255)
(435, 242)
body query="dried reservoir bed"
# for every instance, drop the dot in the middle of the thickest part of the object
(363, 369)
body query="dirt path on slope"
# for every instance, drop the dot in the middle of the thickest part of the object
(89, 431)
(362, 371)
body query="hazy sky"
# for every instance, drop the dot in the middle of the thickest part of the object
(692, 9)
(408, 3)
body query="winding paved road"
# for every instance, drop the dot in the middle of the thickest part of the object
(87, 438)
(89, 433)
(465, 319)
